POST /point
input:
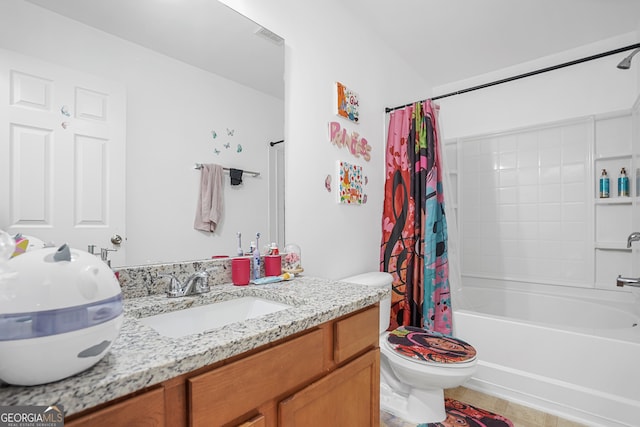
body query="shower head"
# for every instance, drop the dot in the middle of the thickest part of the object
(625, 64)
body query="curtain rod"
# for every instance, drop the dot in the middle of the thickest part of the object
(520, 76)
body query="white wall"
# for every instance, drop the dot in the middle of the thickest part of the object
(635, 67)
(589, 88)
(324, 44)
(171, 109)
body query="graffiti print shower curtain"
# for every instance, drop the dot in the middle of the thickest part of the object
(414, 227)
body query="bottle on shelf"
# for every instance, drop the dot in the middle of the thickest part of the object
(604, 184)
(623, 184)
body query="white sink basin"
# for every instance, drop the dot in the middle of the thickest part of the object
(194, 320)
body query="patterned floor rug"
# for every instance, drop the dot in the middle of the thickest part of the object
(458, 414)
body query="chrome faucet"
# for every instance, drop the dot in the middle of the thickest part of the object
(628, 281)
(633, 237)
(197, 283)
(104, 255)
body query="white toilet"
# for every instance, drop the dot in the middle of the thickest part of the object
(415, 368)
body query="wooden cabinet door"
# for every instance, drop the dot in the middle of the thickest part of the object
(349, 396)
(144, 410)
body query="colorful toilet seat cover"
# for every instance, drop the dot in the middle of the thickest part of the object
(429, 346)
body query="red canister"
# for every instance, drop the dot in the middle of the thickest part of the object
(240, 271)
(272, 265)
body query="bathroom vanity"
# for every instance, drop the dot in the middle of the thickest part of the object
(314, 362)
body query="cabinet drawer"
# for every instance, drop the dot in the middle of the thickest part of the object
(355, 333)
(222, 395)
(146, 409)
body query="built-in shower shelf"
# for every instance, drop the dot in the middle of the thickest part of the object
(615, 201)
(612, 246)
(613, 157)
(615, 147)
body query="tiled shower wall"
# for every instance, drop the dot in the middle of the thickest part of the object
(527, 207)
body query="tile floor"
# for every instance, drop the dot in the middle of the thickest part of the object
(520, 416)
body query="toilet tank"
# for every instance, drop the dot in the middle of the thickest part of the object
(377, 279)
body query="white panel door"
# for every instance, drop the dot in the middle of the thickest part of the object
(62, 155)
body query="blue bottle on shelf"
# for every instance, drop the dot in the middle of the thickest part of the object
(604, 184)
(623, 184)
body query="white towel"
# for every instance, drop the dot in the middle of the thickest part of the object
(210, 198)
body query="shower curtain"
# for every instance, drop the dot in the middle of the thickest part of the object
(414, 228)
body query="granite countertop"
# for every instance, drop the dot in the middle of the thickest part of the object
(140, 357)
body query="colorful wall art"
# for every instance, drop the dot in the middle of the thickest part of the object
(348, 106)
(350, 184)
(356, 144)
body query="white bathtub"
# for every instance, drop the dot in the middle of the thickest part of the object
(574, 357)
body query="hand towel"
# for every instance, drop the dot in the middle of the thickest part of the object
(210, 198)
(236, 176)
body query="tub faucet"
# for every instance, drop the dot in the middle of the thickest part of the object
(633, 237)
(196, 284)
(628, 281)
